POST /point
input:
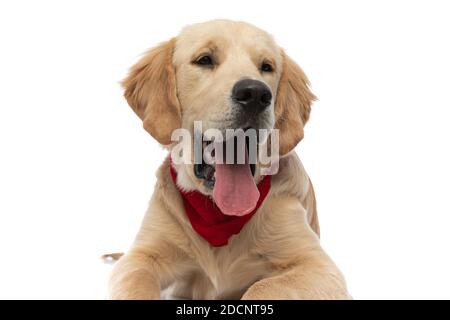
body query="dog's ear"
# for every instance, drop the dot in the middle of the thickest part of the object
(150, 90)
(293, 105)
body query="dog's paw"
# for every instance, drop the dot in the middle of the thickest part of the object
(267, 290)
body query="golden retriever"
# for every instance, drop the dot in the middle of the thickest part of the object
(277, 254)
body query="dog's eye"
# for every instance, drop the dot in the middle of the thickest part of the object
(204, 61)
(265, 67)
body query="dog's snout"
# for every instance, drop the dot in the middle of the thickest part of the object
(253, 95)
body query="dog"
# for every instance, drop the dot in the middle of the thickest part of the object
(228, 75)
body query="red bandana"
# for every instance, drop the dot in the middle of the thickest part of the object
(207, 219)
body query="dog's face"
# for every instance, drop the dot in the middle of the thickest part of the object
(226, 74)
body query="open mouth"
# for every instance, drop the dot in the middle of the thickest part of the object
(230, 178)
(207, 171)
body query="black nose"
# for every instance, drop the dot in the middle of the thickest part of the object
(253, 95)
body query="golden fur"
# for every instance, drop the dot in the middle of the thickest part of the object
(277, 255)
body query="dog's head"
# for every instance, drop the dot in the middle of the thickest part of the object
(228, 75)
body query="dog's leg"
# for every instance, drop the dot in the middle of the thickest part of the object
(315, 277)
(141, 274)
(300, 268)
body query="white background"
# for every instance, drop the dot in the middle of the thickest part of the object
(77, 169)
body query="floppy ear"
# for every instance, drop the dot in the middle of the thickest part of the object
(293, 105)
(150, 90)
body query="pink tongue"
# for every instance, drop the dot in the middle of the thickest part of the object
(235, 191)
